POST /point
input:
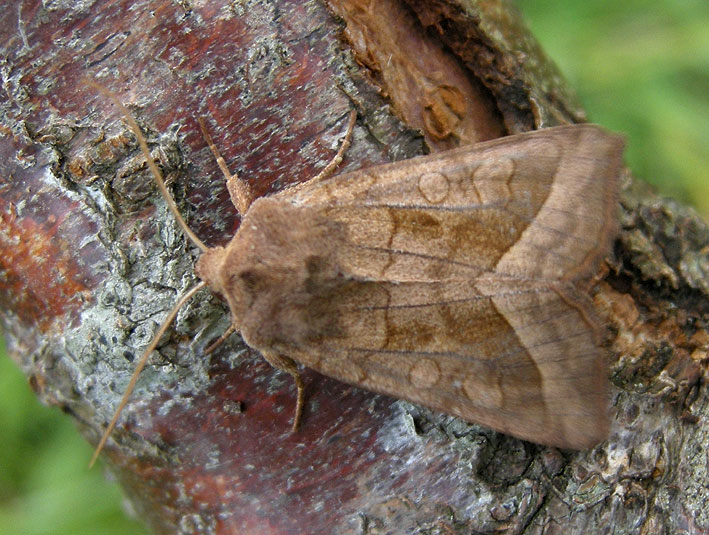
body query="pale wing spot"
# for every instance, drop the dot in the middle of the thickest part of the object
(388, 363)
(344, 369)
(492, 179)
(434, 187)
(483, 390)
(425, 373)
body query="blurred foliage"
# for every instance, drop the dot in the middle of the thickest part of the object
(46, 487)
(640, 67)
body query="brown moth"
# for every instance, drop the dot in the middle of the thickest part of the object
(457, 280)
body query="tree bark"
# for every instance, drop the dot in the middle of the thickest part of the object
(92, 260)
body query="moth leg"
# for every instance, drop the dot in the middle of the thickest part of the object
(330, 168)
(288, 365)
(239, 191)
(220, 340)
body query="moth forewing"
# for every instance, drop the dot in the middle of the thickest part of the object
(460, 281)
(451, 280)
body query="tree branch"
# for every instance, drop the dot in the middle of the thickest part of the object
(92, 261)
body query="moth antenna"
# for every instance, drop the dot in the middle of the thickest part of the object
(157, 175)
(139, 368)
(239, 191)
(221, 339)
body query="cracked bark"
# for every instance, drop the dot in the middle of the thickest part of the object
(91, 260)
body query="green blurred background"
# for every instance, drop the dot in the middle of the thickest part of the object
(640, 68)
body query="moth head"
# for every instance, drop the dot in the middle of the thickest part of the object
(209, 267)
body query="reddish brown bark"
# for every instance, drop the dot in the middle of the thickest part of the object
(91, 261)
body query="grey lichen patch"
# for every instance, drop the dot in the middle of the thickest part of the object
(694, 471)
(472, 454)
(197, 523)
(647, 257)
(148, 266)
(133, 183)
(265, 59)
(667, 242)
(117, 332)
(694, 268)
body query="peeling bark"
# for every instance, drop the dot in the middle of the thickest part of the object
(92, 260)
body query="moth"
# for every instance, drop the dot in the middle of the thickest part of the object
(457, 280)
